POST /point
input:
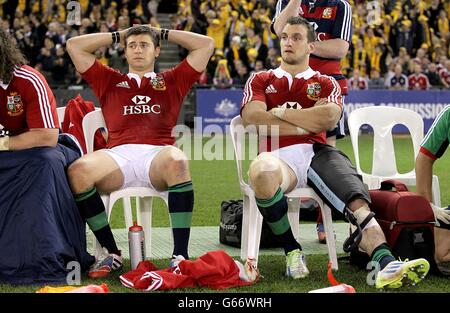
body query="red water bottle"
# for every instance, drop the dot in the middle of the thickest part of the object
(136, 242)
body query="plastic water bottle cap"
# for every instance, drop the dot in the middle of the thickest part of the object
(135, 227)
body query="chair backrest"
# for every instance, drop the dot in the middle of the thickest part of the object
(382, 119)
(91, 122)
(61, 112)
(238, 131)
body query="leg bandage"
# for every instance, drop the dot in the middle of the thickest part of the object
(361, 219)
(362, 215)
(333, 177)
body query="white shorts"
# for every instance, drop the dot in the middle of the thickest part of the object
(134, 161)
(298, 158)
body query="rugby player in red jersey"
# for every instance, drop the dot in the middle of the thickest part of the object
(140, 109)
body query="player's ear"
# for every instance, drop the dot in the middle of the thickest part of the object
(157, 52)
(311, 46)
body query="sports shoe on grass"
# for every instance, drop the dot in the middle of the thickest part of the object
(400, 273)
(296, 264)
(105, 264)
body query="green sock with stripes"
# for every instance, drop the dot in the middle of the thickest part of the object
(181, 204)
(92, 211)
(274, 210)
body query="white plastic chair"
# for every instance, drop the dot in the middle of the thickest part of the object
(61, 112)
(144, 195)
(382, 119)
(252, 218)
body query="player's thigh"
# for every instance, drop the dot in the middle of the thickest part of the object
(168, 163)
(101, 170)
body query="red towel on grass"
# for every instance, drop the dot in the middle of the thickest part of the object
(215, 269)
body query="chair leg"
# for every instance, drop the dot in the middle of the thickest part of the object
(373, 183)
(245, 226)
(436, 191)
(145, 220)
(331, 242)
(128, 211)
(254, 236)
(293, 216)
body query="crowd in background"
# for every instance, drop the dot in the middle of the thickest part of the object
(404, 46)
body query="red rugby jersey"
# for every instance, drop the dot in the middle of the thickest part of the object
(145, 113)
(332, 19)
(277, 88)
(27, 102)
(418, 82)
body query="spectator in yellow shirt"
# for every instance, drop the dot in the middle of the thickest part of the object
(443, 25)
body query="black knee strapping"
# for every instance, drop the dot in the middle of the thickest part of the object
(333, 177)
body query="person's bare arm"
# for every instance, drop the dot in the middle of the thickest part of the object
(292, 9)
(81, 48)
(255, 113)
(332, 48)
(424, 175)
(200, 47)
(37, 137)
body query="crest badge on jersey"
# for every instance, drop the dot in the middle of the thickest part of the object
(14, 104)
(158, 83)
(327, 13)
(313, 91)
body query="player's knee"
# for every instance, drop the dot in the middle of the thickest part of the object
(177, 162)
(79, 174)
(265, 171)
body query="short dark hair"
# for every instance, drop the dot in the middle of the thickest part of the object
(298, 20)
(142, 29)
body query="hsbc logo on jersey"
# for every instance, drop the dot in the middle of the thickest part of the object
(291, 105)
(141, 106)
(141, 109)
(141, 99)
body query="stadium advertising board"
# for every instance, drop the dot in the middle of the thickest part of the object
(218, 107)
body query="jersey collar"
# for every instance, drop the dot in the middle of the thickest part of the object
(4, 86)
(150, 75)
(279, 73)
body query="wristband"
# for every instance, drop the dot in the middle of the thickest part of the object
(164, 34)
(4, 143)
(302, 131)
(115, 37)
